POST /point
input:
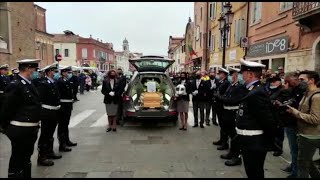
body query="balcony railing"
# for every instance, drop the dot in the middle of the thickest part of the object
(304, 9)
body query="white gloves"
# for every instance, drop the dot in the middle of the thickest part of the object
(184, 93)
(177, 95)
(111, 93)
(195, 92)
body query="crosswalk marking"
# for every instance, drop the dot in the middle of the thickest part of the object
(80, 117)
(101, 122)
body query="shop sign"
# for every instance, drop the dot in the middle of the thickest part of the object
(270, 47)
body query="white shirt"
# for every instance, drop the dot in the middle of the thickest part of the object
(198, 81)
(112, 83)
(50, 79)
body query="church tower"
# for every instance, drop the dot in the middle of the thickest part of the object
(125, 46)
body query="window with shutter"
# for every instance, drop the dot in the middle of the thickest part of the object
(235, 34)
(256, 12)
(209, 40)
(213, 10)
(200, 39)
(5, 30)
(210, 10)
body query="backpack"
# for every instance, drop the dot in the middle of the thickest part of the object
(310, 99)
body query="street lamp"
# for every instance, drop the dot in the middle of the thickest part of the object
(225, 22)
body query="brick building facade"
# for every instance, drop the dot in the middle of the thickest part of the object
(17, 31)
(43, 40)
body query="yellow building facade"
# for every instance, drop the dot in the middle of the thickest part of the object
(238, 30)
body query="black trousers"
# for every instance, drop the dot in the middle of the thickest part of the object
(253, 163)
(279, 138)
(223, 133)
(120, 110)
(22, 144)
(63, 122)
(48, 126)
(210, 107)
(198, 105)
(75, 92)
(228, 126)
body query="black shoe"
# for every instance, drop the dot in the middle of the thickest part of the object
(45, 162)
(277, 153)
(69, 143)
(223, 147)
(185, 129)
(291, 176)
(64, 149)
(207, 124)
(181, 128)
(201, 126)
(287, 169)
(109, 129)
(53, 155)
(226, 156)
(114, 129)
(215, 123)
(196, 125)
(217, 143)
(234, 162)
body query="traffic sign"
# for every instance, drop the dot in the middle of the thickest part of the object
(58, 57)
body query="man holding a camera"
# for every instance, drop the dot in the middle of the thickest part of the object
(308, 121)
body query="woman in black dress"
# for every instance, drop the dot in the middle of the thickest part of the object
(112, 91)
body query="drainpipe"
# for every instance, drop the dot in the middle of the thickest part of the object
(207, 33)
(247, 28)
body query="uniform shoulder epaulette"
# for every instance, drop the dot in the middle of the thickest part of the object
(251, 87)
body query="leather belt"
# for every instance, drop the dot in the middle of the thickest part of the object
(1, 92)
(50, 107)
(245, 132)
(24, 124)
(231, 107)
(66, 100)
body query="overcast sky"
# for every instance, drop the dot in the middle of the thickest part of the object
(146, 25)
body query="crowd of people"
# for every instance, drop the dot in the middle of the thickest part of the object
(253, 107)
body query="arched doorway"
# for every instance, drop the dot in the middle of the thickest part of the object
(316, 54)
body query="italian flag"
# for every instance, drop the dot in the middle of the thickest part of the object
(191, 51)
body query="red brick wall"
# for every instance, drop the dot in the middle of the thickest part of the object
(22, 32)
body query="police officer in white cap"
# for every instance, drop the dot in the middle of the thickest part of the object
(231, 99)
(221, 90)
(66, 101)
(20, 118)
(50, 102)
(255, 124)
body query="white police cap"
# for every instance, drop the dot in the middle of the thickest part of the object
(50, 67)
(221, 69)
(66, 69)
(251, 66)
(232, 70)
(29, 62)
(5, 66)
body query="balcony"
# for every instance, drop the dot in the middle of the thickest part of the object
(303, 10)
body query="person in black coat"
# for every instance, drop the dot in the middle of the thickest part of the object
(50, 102)
(233, 95)
(211, 106)
(82, 82)
(122, 82)
(183, 97)
(112, 91)
(221, 89)
(255, 123)
(200, 91)
(20, 119)
(75, 85)
(65, 90)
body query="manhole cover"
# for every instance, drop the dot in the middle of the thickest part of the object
(121, 174)
(75, 175)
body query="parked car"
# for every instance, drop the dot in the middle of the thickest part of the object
(150, 92)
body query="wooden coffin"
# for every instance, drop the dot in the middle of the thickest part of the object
(151, 100)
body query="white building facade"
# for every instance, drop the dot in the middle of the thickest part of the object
(68, 51)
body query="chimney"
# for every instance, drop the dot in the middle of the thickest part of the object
(97, 39)
(101, 40)
(90, 36)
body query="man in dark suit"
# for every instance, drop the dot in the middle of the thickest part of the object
(221, 89)
(200, 91)
(122, 83)
(212, 84)
(255, 123)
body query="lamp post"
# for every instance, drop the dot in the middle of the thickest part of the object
(225, 22)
